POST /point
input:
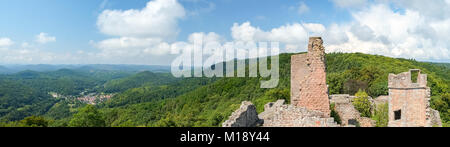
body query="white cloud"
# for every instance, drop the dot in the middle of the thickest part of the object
(335, 34)
(303, 8)
(314, 28)
(362, 32)
(44, 38)
(131, 50)
(143, 35)
(378, 29)
(130, 46)
(158, 19)
(5, 42)
(350, 3)
(244, 32)
(384, 21)
(436, 9)
(27, 54)
(293, 36)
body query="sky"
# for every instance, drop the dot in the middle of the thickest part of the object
(146, 31)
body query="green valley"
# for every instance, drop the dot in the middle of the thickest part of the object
(157, 99)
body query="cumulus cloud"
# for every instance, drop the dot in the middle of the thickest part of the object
(375, 29)
(293, 36)
(158, 19)
(141, 35)
(44, 38)
(336, 34)
(378, 29)
(29, 54)
(5, 42)
(438, 9)
(26, 53)
(133, 46)
(314, 28)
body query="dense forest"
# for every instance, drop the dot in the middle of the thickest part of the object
(158, 99)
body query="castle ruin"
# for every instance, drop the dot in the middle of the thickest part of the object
(409, 101)
(308, 78)
(310, 104)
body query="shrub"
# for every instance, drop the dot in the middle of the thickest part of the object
(362, 103)
(381, 115)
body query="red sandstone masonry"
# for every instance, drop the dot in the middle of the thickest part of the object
(411, 98)
(308, 78)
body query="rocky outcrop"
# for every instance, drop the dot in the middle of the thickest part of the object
(245, 116)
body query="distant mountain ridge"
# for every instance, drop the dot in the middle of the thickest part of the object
(11, 69)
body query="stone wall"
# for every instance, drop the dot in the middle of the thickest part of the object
(308, 78)
(410, 100)
(280, 115)
(299, 70)
(245, 116)
(435, 119)
(366, 122)
(347, 112)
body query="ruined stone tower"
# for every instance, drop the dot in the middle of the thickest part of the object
(409, 98)
(308, 78)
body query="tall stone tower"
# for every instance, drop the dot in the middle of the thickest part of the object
(409, 100)
(308, 78)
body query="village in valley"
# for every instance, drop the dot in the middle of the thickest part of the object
(89, 98)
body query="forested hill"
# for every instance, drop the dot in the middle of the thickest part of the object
(27, 93)
(211, 104)
(140, 79)
(145, 99)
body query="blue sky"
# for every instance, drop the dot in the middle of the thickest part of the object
(100, 31)
(74, 21)
(266, 14)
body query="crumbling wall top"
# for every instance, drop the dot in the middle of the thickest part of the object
(404, 80)
(315, 47)
(245, 116)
